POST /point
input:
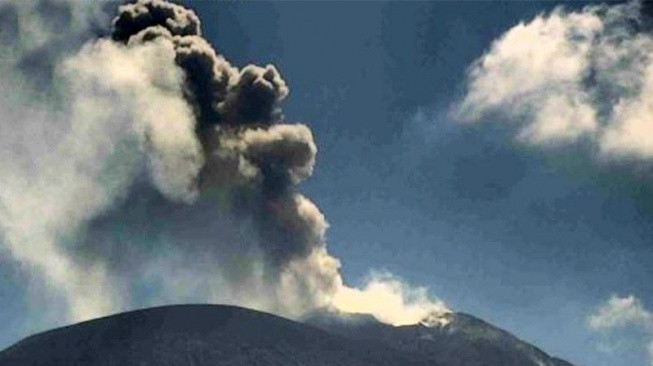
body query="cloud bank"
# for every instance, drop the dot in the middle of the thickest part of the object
(141, 168)
(571, 77)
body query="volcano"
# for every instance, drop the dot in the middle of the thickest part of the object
(203, 335)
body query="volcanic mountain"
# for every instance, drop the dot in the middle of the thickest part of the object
(203, 335)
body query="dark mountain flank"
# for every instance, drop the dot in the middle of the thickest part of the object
(203, 335)
(463, 341)
(196, 335)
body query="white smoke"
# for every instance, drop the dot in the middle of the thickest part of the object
(67, 164)
(392, 301)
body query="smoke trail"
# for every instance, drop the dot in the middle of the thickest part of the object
(157, 172)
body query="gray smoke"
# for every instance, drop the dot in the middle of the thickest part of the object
(153, 171)
(245, 151)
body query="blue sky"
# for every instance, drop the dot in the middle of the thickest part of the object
(531, 240)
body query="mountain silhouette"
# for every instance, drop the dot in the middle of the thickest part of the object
(216, 335)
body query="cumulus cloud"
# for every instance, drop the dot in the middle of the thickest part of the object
(142, 168)
(619, 313)
(570, 76)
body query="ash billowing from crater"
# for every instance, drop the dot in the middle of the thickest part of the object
(153, 171)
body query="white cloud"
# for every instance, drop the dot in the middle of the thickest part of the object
(620, 312)
(533, 70)
(567, 76)
(623, 313)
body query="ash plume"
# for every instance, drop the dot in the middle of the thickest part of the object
(234, 110)
(157, 172)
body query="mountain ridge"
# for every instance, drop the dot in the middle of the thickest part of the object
(462, 340)
(198, 335)
(195, 335)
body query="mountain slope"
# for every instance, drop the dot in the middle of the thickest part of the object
(463, 341)
(197, 335)
(216, 335)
